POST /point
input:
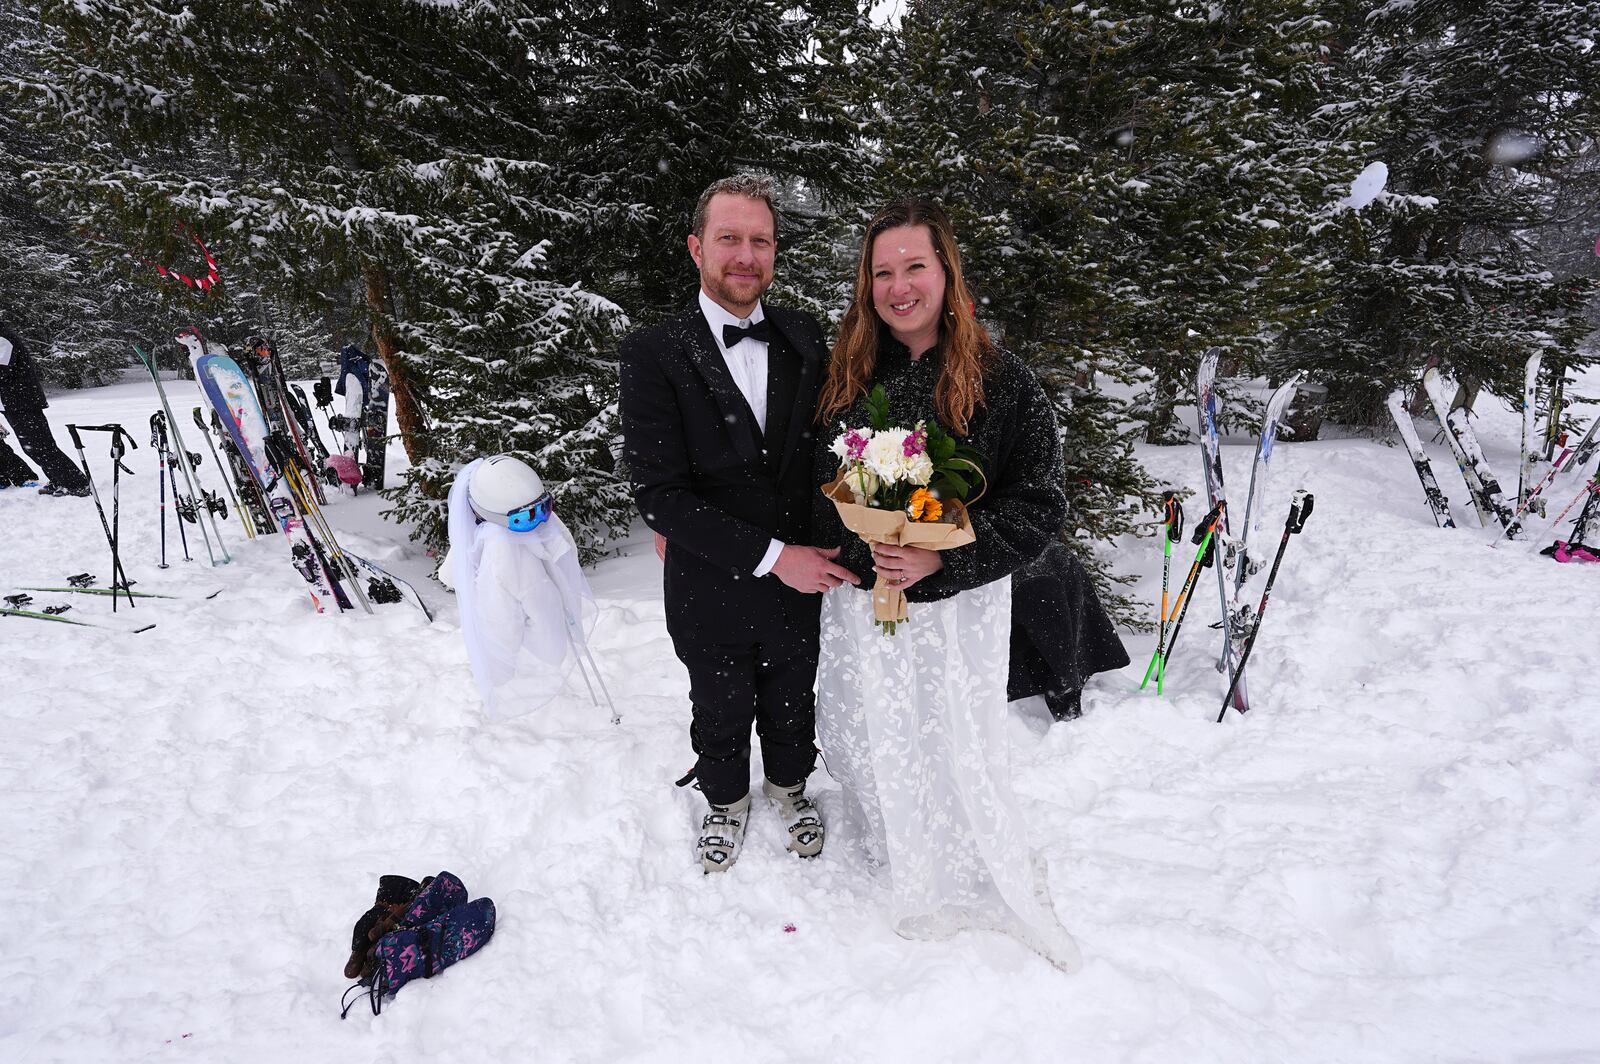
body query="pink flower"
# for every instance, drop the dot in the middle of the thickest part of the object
(855, 444)
(916, 443)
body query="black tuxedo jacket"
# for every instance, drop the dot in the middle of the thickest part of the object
(20, 387)
(713, 483)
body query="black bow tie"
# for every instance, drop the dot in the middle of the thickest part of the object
(732, 334)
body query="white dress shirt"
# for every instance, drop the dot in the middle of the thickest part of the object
(747, 365)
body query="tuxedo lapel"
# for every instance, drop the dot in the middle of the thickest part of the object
(783, 377)
(707, 359)
(801, 366)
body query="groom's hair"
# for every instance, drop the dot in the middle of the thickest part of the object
(752, 186)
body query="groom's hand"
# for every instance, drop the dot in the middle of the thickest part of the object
(661, 546)
(811, 569)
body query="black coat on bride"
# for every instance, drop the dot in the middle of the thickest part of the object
(1023, 506)
(1060, 634)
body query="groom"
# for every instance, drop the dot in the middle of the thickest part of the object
(717, 407)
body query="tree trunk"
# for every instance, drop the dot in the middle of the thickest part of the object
(407, 412)
(1164, 404)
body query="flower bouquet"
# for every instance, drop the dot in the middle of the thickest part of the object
(905, 487)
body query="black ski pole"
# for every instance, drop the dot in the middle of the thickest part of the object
(1299, 510)
(161, 481)
(118, 434)
(118, 576)
(158, 439)
(227, 481)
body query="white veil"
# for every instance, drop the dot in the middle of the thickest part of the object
(526, 607)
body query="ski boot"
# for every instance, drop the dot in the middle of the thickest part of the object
(800, 815)
(53, 488)
(722, 834)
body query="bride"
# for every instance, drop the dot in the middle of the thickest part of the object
(912, 724)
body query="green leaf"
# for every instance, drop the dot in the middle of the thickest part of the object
(878, 408)
(948, 483)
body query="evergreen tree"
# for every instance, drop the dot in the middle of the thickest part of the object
(78, 316)
(1478, 109)
(663, 98)
(393, 147)
(1134, 183)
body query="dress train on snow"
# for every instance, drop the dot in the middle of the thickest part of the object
(912, 726)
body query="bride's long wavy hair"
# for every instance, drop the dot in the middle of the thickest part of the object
(964, 345)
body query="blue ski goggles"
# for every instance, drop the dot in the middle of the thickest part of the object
(529, 517)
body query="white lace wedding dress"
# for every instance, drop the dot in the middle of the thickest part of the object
(912, 726)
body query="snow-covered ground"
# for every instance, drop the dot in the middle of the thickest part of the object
(1396, 857)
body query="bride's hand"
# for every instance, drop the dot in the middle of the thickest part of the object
(904, 566)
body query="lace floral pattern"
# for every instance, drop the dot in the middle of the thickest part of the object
(912, 728)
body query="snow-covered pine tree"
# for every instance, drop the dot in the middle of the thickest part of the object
(77, 315)
(664, 98)
(1134, 183)
(395, 146)
(1476, 108)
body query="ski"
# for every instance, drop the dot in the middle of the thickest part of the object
(41, 615)
(1530, 468)
(272, 390)
(1270, 420)
(375, 419)
(190, 474)
(1586, 529)
(249, 515)
(378, 575)
(365, 423)
(1419, 460)
(339, 567)
(352, 387)
(1589, 489)
(308, 422)
(1299, 510)
(1487, 498)
(1228, 559)
(1535, 494)
(1586, 447)
(230, 394)
(119, 591)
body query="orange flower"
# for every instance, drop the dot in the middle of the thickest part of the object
(924, 506)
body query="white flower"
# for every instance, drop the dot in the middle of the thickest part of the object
(886, 456)
(919, 469)
(863, 484)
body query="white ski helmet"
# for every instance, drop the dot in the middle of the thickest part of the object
(506, 491)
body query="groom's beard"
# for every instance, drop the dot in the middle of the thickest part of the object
(738, 291)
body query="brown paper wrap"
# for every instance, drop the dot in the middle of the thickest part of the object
(897, 529)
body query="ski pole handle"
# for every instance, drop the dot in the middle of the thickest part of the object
(1172, 515)
(77, 441)
(1299, 510)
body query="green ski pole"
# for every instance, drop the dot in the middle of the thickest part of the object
(1203, 533)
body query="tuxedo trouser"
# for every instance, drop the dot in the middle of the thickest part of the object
(13, 470)
(33, 433)
(731, 686)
